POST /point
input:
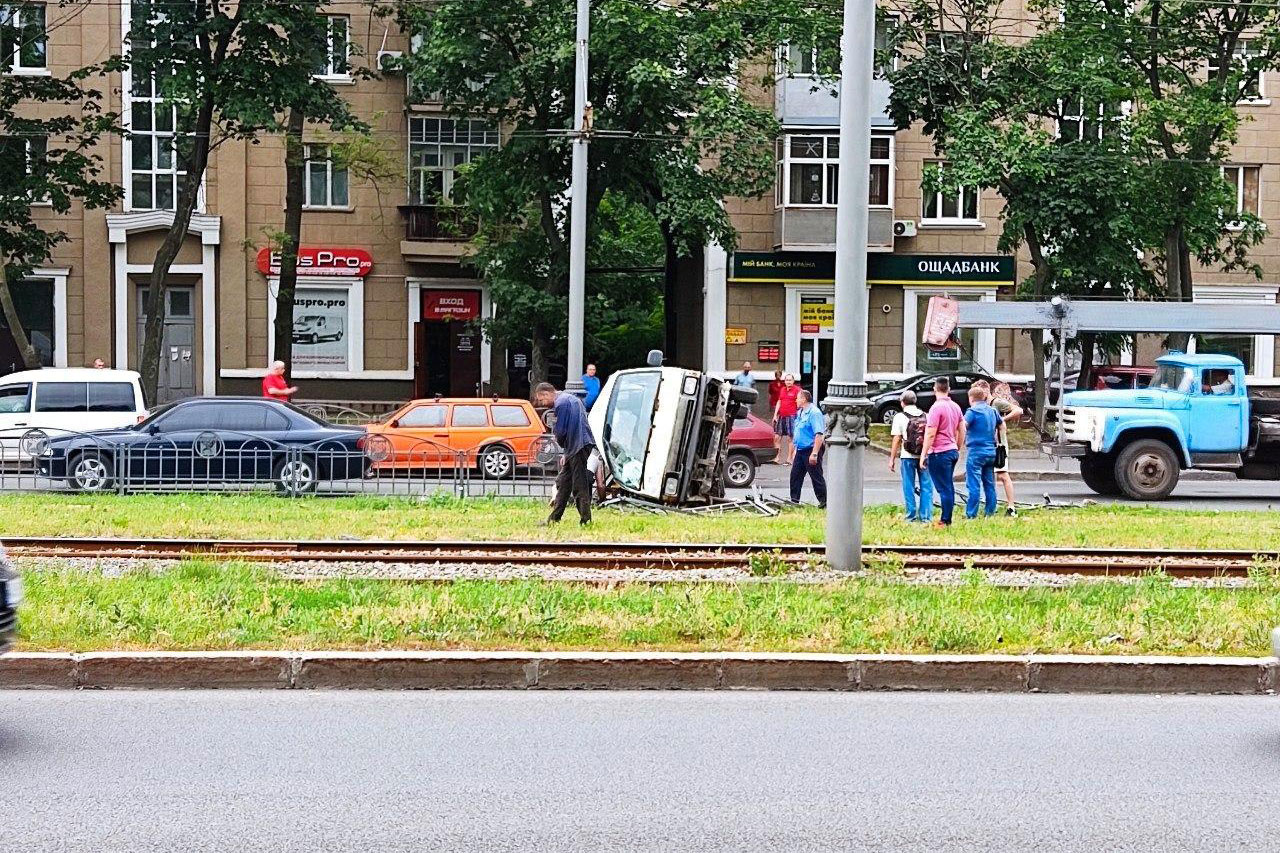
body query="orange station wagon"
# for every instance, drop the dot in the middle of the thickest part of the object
(494, 435)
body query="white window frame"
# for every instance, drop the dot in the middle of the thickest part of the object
(327, 203)
(1241, 168)
(13, 64)
(1243, 49)
(984, 341)
(58, 278)
(29, 160)
(354, 288)
(448, 172)
(893, 20)
(331, 72)
(1264, 347)
(1101, 121)
(960, 220)
(782, 152)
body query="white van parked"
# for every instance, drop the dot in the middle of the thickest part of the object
(62, 400)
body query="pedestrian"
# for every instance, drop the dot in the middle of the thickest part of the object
(573, 434)
(744, 379)
(810, 431)
(784, 415)
(274, 384)
(908, 431)
(775, 391)
(981, 427)
(944, 432)
(591, 383)
(1010, 414)
(99, 364)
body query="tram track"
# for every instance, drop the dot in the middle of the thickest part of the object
(1100, 562)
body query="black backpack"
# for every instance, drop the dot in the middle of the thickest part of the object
(913, 440)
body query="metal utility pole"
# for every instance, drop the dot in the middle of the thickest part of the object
(578, 206)
(846, 405)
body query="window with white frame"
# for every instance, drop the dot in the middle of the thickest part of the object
(438, 147)
(334, 57)
(886, 58)
(326, 184)
(801, 60)
(809, 170)
(1256, 351)
(948, 206)
(1081, 119)
(159, 147)
(1246, 181)
(21, 157)
(1251, 83)
(23, 41)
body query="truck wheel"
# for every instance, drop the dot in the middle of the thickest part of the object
(1098, 470)
(1147, 470)
(739, 470)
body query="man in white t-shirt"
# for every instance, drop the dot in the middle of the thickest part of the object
(907, 432)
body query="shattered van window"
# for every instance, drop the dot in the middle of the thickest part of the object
(628, 423)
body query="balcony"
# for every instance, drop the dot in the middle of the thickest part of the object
(803, 102)
(435, 232)
(814, 228)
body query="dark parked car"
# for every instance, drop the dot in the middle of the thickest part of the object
(210, 441)
(10, 598)
(1105, 377)
(885, 404)
(750, 445)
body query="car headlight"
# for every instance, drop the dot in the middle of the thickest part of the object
(13, 592)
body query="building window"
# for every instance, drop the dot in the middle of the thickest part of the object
(977, 346)
(158, 148)
(326, 179)
(809, 170)
(1245, 181)
(1256, 351)
(949, 206)
(20, 159)
(328, 326)
(437, 148)
(886, 57)
(34, 300)
(796, 60)
(333, 61)
(1251, 83)
(23, 42)
(1080, 119)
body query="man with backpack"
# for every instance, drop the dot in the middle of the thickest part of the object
(907, 432)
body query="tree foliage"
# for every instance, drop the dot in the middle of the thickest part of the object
(49, 129)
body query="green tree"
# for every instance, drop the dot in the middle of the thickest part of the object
(49, 129)
(231, 72)
(675, 129)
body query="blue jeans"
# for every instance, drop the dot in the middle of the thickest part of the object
(980, 472)
(913, 471)
(942, 468)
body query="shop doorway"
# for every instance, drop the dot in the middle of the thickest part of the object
(177, 379)
(447, 345)
(816, 356)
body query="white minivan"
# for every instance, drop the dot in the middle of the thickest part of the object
(62, 400)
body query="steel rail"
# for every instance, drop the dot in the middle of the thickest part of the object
(654, 555)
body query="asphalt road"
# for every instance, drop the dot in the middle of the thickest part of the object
(332, 771)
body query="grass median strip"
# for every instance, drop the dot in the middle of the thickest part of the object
(267, 516)
(208, 605)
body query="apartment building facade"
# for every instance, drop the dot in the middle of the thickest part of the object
(385, 306)
(773, 297)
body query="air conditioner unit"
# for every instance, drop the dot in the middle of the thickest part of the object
(904, 228)
(388, 58)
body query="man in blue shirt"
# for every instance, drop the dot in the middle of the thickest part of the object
(591, 383)
(573, 434)
(745, 379)
(808, 434)
(982, 425)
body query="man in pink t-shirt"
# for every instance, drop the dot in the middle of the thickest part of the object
(943, 435)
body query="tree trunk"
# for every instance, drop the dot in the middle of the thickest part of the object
(1177, 279)
(294, 184)
(30, 359)
(1088, 343)
(188, 195)
(539, 348)
(670, 304)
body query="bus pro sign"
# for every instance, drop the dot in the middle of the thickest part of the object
(320, 261)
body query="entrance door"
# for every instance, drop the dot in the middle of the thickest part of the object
(815, 366)
(177, 345)
(448, 344)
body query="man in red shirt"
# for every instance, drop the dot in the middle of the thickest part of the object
(775, 391)
(274, 384)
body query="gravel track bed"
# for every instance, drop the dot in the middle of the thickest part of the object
(437, 572)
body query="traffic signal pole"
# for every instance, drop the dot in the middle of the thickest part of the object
(578, 206)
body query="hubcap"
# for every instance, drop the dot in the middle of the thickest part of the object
(888, 416)
(91, 473)
(295, 476)
(496, 463)
(738, 471)
(1149, 471)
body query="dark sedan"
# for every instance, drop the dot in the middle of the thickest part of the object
(207, 441)
(885, 404)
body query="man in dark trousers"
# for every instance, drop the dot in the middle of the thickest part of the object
(809, 434)
(574, 437)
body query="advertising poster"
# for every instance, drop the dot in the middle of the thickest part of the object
(320, 329)
(817, 317)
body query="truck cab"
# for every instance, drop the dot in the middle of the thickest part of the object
(1196, 413)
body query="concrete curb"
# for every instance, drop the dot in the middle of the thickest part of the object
(459, 670)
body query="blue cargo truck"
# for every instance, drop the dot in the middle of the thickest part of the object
(1197, 413)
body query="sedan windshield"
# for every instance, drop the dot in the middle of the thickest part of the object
(627, 425)
(1174, 377)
